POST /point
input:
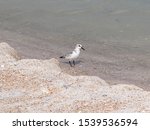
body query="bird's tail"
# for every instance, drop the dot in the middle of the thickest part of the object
(62, 57)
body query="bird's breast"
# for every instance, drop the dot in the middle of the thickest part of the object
(74, 55)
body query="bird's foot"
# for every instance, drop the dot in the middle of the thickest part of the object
(70, 63)
(74, 63)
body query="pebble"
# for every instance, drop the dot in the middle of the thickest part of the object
(2, 66)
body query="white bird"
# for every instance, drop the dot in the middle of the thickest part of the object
(73, 55)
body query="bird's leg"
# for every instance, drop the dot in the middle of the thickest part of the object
(74, 63)
(70, 63)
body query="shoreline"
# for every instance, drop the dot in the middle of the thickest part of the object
(29, 84)
(114, 67)
(114, 33)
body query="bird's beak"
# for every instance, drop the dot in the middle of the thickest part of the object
(82, 48)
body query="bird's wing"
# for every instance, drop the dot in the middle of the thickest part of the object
(68, 54)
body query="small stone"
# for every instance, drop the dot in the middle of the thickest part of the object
(2, 66)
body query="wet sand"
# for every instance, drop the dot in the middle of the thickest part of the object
(114, 34)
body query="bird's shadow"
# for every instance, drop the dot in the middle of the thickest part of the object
(76, 62)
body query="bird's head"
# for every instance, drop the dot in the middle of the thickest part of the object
(79, 46)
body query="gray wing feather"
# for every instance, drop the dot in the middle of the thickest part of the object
(68, 54)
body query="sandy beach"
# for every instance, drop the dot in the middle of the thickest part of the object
(33, 85)
(115, 35)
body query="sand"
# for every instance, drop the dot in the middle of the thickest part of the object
(33, 85)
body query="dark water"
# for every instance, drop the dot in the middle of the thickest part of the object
(116, 33)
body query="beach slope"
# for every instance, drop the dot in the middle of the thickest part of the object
(32, 85)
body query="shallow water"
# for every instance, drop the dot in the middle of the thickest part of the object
(79, 19)
(115, 33)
